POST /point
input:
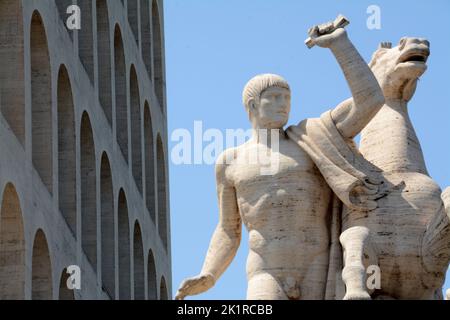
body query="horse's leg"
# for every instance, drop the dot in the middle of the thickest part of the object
(355, 241)
(436, 241)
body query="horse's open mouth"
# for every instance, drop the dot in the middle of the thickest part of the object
(414, 55)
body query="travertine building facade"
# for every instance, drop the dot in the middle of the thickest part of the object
(83, 150)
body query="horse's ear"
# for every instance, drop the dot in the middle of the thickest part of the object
(385, 45)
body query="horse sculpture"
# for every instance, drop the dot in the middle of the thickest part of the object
(408, 234)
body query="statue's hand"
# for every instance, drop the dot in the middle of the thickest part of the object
(195, 285)
(322, 35)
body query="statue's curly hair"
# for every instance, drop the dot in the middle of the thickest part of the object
(259, 83)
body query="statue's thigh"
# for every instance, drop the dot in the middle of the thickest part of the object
(314, 282)
(264, 286)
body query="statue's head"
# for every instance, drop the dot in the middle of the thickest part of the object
(267, 99)
(397, 69)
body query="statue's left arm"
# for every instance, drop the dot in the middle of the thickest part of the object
(352, 115)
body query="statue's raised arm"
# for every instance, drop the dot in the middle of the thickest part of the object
(352, 115)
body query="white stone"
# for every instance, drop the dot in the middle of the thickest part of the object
(286, 213)
(332, 212)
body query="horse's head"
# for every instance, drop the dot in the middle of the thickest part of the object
(397, 69)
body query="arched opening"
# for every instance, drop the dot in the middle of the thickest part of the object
(163, 290)
(149, 162)
(139, 275)
(124, 248)
(121, 94)
(107, 227)
(41, 133)
(152, 286)
(85, 37)
(88, 191)
(146, 36)
(66, 150)
(104, 58)
(133, 18)
(162, 198)
(136, 147)
(12, 90)
(157, 55)
(12, 246)
(64, 292)
(41, 285)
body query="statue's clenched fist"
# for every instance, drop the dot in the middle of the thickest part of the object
(326, 34)
(328, 39)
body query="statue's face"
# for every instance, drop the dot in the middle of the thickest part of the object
(397, 69)
(273, 109)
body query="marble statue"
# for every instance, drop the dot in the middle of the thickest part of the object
(332, 209)
(287, 214)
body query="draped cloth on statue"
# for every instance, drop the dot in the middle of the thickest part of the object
(347, 173)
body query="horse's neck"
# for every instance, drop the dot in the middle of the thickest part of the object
(390, 142)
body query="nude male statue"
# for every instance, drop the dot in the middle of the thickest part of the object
(286, 214)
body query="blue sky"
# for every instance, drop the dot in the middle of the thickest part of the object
(213, 47)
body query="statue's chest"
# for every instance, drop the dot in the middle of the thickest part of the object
(260, 170)
(294, 186)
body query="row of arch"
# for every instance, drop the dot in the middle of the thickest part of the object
(42, 134)
(42, 146)
(143, 16)
(151, 38)
(12, 52)
(142, 146)
(13, 252)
